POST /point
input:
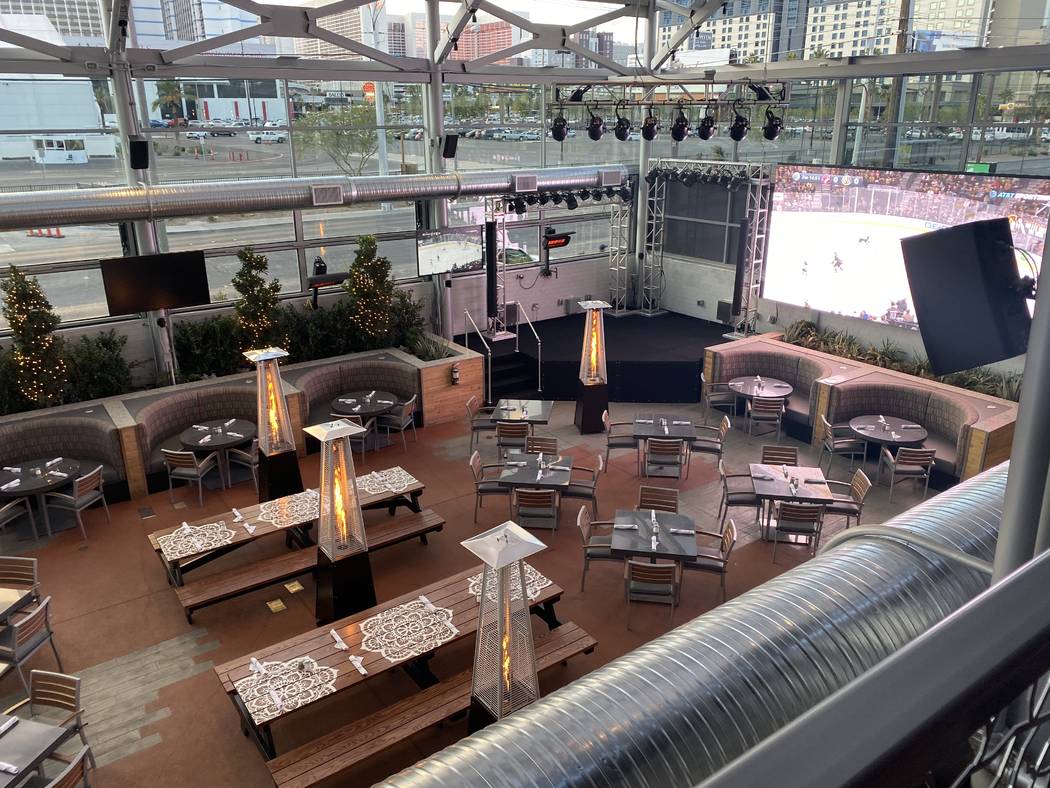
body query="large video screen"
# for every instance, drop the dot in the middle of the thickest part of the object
(835, 232)
(450, 249)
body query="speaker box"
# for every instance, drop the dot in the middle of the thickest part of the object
(138, 154)
(449, 143)
(725, 312)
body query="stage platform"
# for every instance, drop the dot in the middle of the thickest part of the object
(649, 359)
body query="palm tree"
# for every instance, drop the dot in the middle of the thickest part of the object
(169, 97)
(819, 52)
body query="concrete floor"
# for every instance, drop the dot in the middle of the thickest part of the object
(156, 712)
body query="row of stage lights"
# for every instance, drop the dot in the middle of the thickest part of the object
(520, 203)
(706, 128)
(723, 176)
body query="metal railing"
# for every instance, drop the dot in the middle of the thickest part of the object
(967, 697)
(518, 310)
(488, 352)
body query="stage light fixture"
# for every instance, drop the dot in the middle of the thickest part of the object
(651, 176)
(736, 181)
(707, 127)
(519, 206)
(595, 126)
(773, 126)
(531, 199)
(570, 202)
(650, 126)
(762, 93)
(584, 194)
(624, 194)
(577, 95)
(556, 198)
(688, 178)
(741, 125)
(623, 125)
(597, 195)
(610, 192)
(559, 128)
(543, 199)
(680, 126)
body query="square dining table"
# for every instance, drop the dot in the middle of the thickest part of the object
(653, 425)
(627, 542)
(26, 745)
(772, 485)
(12, 600)
(523, 470)
(529, 411)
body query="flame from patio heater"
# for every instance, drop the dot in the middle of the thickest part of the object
(339, 489)
(272, 407)
(320, 227)
(505, 647)
(592, 356)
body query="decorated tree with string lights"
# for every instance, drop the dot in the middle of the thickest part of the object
(371, 290)
(41, 367)
(257, 306)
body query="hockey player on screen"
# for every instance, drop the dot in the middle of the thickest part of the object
(836, 263)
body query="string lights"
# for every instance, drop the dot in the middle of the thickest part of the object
(259, 298)
(42, 371)
(371, 290)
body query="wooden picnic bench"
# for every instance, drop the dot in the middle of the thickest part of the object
(267, 571)
(452, 593)
(330, 755)
(295, 530)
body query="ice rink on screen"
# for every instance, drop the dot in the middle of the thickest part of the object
(800, 267)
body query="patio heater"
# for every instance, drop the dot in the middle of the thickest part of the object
(592, 392)
(504, 656)
(278, 466)
(344, 572)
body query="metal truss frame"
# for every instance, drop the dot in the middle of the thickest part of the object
(496, 211)
(619, 256)
(653, 262)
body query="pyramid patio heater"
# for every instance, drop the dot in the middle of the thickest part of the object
(278, 466)
(504, 677)
(592, 392)
(344, 572)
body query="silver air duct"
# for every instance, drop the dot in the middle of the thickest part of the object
(19, 210)
(676, 710)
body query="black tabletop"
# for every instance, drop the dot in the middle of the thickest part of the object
(533, 411)
(888, 430)
(760, 387)
(640, 542)
(37, 477)
(663, 425)
(771, 484)
(224, 434)
(365, 404)
(522, 470)
(25, 746)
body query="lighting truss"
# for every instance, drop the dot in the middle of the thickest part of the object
(619, 255)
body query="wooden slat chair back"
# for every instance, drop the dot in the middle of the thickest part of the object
(920, 457)
(179, 459)
(76, 773)
(859, 486)
(88, 483)
(780, 455)
(29, 627)
(541, 444)
(536, 499)
(663, 499)
(514, 430)
(18, 572)
(767, 407)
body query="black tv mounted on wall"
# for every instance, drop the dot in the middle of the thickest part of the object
(155, 281)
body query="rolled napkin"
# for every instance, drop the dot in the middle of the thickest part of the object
(339, 642)
(652, 515)
(370, 395)
(643, 421)
(59, 474)
(682, 423)
(228, 423)
(559, 467)
(655, 542)
(882, 419)
(13, 470)
(55, 461)
(237, 516)
(277, 702)
(625, 527)
(763, 478)
(665, 429)
(358, 663)
(8, 768)
(911, 427)
(894, 435)
(682, 531)
(235, 434)
(866, 427)
(10, 484)
(205, 439)
(249, 528)
(516, 464)
(8, 725)
(356, 408)
(200, 428)
(184, 528)
(347, 401)
(385, 401)
(780, 385)
(256, 666)
(539, 474)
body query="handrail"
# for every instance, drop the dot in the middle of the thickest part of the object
(488, 351)
(539, 342)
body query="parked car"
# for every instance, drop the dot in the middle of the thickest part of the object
(259, 137)
(532, 136)
(222, 131)
(196, 135)
(513, 135)
(157, 124)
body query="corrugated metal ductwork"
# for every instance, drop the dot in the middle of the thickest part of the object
(676, 710)
(19, 210)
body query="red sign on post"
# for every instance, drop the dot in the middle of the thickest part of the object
(370, 90)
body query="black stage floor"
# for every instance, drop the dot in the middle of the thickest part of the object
(649, 359)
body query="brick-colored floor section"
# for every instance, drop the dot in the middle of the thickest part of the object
(157, 714)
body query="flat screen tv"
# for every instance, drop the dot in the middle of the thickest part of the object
(835, 232)
(449, 249)
(155, 281)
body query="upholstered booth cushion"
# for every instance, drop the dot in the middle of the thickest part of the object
(792, 367)
(321, 384)
(92, 441)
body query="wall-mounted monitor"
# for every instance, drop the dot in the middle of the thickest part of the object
(449, 249)
(835, 232)
(156, 281)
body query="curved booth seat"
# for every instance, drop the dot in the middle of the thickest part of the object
(946, 417)
(159, 421)
(92, 441)
(801, 371)
(321, 383)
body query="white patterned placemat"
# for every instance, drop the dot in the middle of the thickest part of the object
(407, 630)
(193, 539)
(292, 510)
(534, 583)
(394, 480)
(275, 688)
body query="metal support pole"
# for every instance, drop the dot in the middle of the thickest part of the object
(644, 150)
(840, 124)
(1025, 528)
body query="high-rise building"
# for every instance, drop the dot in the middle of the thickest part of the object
(159, 23)
(857, 27)
(763, 29)
(366, 24)
(596, 41)
(396, 41)
(480, 39)
(69, 17)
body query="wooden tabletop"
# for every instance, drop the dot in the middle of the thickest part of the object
(452, 593)
(814, 490)
(251, 515)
